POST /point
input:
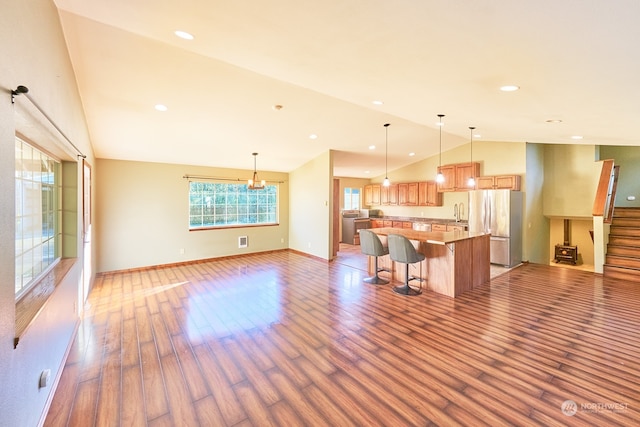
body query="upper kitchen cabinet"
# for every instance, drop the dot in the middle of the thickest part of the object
(428, 194)
(389, 195)
(499, 182)
(408, 194)
(372, 195)
(457, 175)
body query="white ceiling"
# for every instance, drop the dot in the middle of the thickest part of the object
(326, 61)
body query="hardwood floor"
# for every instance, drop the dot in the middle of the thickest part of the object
(282, 339)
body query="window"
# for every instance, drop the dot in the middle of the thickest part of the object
(217, 204)
(38, 216)
(351, 198)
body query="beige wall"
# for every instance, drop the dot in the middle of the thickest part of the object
(536, 225)
(34, 55)
(571, 176)
(143, 217)
(310, 228)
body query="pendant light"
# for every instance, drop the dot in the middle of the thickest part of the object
(471, 182)
(440, 176)
(253, 183)
(386, 181)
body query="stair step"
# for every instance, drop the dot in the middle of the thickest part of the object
(626, 222)
(622, 273)
(620, 212)
(624, 231)
(624, 240)
(622, 261)
(630, 251)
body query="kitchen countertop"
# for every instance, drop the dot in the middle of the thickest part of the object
(433, 237)
(421, 220)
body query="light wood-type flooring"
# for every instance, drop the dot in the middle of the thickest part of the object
(287, 340)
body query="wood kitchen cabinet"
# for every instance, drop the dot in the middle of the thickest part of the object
(449, 173)
(428, 194)
(372, 195)
(457, 175)
(377, 223)
(498, 182)
(389, 195)
(368, 195)
(408, 194)
(455, 227)
(438, 227)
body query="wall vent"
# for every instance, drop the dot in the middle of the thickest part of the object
(243, 242)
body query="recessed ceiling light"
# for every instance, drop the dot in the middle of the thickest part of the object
(377, 102)
(576, 137)
(183, 35)
(367, 171)
(412, 154)
(554, 121)
(509, 88)
(372, 147)
(161, 107)
(313, 136)
(477, 135)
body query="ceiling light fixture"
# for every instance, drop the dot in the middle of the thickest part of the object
(509, 88)
(161, 107)
(253, 183)
(577, 137)
(376, 102)
(386, 181)
(183, 35)
(472, 181)
(440, 176)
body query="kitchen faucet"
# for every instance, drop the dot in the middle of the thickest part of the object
(461, 211)
(455, 212)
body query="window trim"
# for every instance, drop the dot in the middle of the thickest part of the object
(57, 239)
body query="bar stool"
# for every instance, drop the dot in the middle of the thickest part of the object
(402, 250)
(371, 245)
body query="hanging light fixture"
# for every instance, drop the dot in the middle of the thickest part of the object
(440, 176)
(386, 181)
(253, 183)
(472, 181)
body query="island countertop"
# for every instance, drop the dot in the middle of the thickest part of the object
(455, 261)
(433, 237)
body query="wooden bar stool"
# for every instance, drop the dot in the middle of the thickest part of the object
(371, 245)
(402, 250)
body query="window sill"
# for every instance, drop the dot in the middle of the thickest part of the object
(30, 305)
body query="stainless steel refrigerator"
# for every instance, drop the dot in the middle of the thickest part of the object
(498, 212)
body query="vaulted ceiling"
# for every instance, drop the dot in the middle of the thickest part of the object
(576, 63)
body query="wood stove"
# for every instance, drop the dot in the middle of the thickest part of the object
(566, 252)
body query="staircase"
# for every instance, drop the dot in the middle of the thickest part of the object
(623, 251)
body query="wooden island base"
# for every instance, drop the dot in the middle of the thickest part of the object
(455, 261)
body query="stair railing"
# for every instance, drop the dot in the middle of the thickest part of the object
(606, 192)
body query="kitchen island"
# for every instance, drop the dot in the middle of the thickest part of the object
(455, 261)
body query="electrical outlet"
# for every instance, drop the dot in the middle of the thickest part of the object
(282, 240)
(309, 245)
(181, 251)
